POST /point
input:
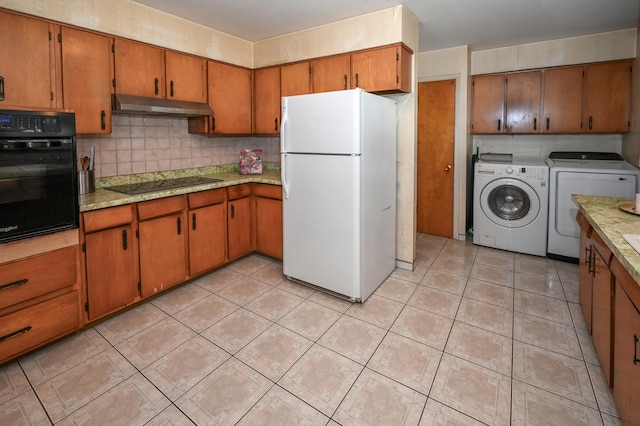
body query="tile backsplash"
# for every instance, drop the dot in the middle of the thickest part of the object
(141, 144)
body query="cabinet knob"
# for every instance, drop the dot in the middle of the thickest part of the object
(446, 169)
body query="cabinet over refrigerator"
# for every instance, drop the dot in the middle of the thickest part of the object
(339, 190)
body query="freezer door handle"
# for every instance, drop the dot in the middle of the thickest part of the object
(285, 184)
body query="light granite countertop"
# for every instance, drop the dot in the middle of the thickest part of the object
(103, 198)
(610, 222)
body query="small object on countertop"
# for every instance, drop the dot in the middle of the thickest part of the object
(629, 208)
(251, 162)
(84, 163)
(633, 240)
(93, 157)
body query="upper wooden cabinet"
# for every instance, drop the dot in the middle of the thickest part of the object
(145, 70)
(524, 92)
(331, 73)
(87, 72)
(386, 69)
(27, 62)
(294, 79)
(266, 100)
(229, 92)
(488, 103)
(607, 97)
(562, 100)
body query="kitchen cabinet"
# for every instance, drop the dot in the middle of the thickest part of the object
(266, 100)
(238, 221)
(331, 73)
(145, 70)
(562, 100)
(229, 93)
(207, 230)
(295, 79)
(87, 76)
(111, 258)
(488, 103)
(268, 222)
(626, 358)
(28, 66)
(585, 288)
(163, 243)
(607, 97)
(385, 69)
(523, 102)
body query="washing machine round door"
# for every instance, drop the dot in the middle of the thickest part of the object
(510, 203)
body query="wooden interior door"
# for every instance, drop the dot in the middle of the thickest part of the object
(436, 130)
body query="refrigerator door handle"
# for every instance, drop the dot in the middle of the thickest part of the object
(285, 184)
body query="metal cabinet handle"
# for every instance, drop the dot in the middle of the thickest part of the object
(1, 88)
(179, 225)
(535, 124)
(592, 263)
(171, 88)
(276, 126)
(14, 284)
(635, 349)
(548, 123)
(156, 85)
(193, 222)
(357, 80)
(233, 211)
(125, 240)
(499, 124)
(590, 122)
(345, 82)
(15, 333)
(213, 123)
(103, 120)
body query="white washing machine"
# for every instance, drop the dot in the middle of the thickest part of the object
(510, 206)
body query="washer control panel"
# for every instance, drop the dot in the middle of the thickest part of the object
(524, 172)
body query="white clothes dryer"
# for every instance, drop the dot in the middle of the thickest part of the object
(510, 207)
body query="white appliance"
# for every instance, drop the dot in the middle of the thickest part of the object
(510, 204)
(588, 173)
(339, 190)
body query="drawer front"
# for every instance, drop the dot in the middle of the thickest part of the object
(161, 207)
(107, 218)
(238, 191)
(32, 277)
(31, 327)
(268, 191)
(206, 198)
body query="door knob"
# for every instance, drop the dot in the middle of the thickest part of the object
(446, 169)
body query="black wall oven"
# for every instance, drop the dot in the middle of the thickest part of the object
(38, 174)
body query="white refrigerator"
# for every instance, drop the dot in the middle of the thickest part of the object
(339, 190)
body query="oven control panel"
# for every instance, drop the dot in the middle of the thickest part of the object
(28, 123)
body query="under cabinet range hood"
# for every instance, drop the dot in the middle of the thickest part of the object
(128, 104)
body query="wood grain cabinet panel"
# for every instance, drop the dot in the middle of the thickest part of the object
(523, 102)
(268, 213)
(562, 100)
(266, 101)
(139, 69)
(207, 230)
(331, 73)
(489, 103)
(385, 69)
(186, 77)
(585, 288)
(607, 97)
(238, 221)
(295, 79)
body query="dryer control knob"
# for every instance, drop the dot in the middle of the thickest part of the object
(509, 170)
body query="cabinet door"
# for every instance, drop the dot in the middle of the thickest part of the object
(87, 79)
(267, 100)
(139, 69)
(207, 238)
(601, 316)
(562, 100)
(239, 227)
(27, 74)
(110, 265)
(585, 288)
(186, 77)
(375, 70)
(331, 74)
(269, 226)
(607, 97)
(524, 91)
(230, 98)
(294, 79)
(488, 103)
(162, 253)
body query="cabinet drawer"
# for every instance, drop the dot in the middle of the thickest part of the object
(161, 207)
(268, 191)
(37, 324)
(107, 218)
(238, 191)
(32, 277)
(601, 247)
(206, 198)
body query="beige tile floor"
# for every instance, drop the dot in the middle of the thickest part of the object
(472, 336)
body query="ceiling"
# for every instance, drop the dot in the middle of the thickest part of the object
(481, 24)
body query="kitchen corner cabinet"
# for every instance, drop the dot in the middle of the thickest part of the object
(562, 100)
(607, 97)
(294, 79)
(28, 71)
(488, 103)
(238, 221)
(229, 89)
(331, 73)
(111, 257)
(207, 230)
(523, 102)
(385, 69)
(626, 358)
(266, 105)
(146, 70)
(163, 243)
(268, 223)
(87, 75)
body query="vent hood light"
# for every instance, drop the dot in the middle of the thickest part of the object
(127, 104)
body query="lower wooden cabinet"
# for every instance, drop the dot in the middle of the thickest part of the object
(585, 288)
(268, 229)
(238, 221)
(207, 230)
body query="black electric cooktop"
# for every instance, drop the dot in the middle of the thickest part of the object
(159, 185)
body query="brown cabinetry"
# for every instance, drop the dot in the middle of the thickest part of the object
(607, 97)
(524, 94)
(385, 69)
(562, 100)
(87, 73)
(585, 288)
(488, 103)
(266, 100)
(294, 79)
(111, 256)
(331, 73)
(238, 220)
(268, 213)
(163, 243)
(229, 89)
(207, 230)
(28, 72)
